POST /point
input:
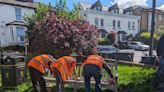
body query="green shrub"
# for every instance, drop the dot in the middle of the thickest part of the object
(25, 87)
(104, 41)
(136, 79)
(145, 35)
(145, 38)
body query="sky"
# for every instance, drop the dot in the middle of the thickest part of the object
(121, 3)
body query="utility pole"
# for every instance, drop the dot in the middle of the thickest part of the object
(152, 28)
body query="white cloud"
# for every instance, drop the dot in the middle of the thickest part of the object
(128, 3)
(161, 7)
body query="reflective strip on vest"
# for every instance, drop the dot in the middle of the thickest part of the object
(63, 69)
(44, 61)
(36, 61)
(67, 62)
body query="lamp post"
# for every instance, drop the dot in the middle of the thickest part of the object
(150, 59)
(152, 28)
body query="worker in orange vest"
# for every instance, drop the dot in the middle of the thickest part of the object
(62, 69)
(92, 67)
(38, 66)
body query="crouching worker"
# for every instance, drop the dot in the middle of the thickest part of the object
(38, 66)
(92, 67)
(62, 70)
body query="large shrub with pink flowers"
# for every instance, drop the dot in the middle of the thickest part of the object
(59, 35)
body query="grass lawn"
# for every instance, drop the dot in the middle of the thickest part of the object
(136, 79)
(131, 79)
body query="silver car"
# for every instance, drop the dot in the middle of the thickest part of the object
(114, 53)
(138, 46)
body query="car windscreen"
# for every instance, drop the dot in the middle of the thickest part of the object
(106, 49)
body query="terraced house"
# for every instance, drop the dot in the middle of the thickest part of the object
(12, 25)
(146, 16)
(110, 19)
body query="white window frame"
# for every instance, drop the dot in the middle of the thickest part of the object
(129, 25)
(133, 25)
(19, 36)
(18, 13)
(12, 34)
(119, 24)
(96, 21)
(114, 23)
(102, 22)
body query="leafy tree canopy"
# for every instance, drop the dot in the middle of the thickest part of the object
(59, 31)
(112, 37)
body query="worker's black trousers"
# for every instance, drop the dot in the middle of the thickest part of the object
(59, 81)
(36, 78)
(89, 71)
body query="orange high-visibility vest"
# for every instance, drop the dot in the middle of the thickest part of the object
(40, 62)
(63, 65)
(94, 59)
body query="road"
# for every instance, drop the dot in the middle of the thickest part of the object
(138, 55)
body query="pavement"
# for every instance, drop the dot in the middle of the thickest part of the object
(138, 55)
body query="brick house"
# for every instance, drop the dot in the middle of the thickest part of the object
(146, 16)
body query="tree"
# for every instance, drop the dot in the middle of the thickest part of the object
(63, 11)
(60, 10)
(160, 31)
(112, 37)
(59, 36)
(104, 41)
(59, 31)
(38, 16)
(32, 20)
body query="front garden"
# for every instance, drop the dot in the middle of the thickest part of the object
(59, 31)
(130, 79)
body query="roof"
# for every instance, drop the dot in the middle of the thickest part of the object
(115, 6)
(97, 4)
(86, 5)
(18, 3)
(131, 8)
(110, 14)
(20, 23)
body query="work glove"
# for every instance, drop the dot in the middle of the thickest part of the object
(78, 78)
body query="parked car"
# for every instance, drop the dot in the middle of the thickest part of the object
(123, 45)
(114, 53)
(138, 45)
(106, 49)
